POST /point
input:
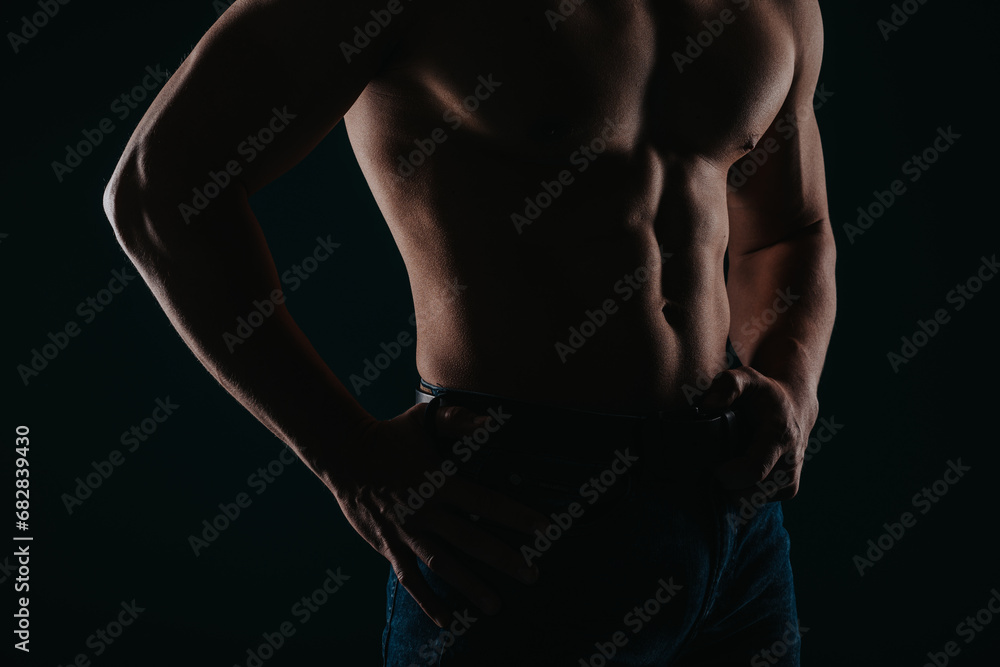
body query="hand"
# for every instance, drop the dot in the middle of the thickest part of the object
(777, 424)
(372, 480)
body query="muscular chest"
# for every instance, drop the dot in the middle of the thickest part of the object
(701, 77)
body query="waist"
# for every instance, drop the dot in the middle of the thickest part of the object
(602, 369)
(667, 443)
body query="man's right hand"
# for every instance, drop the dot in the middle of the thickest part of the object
(386, 461)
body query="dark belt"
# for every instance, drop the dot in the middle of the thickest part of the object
(669, 446)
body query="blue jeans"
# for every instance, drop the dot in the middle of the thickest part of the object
(650, 562)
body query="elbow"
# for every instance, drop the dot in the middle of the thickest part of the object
(148, 202)
(123, 206)
(114, 210)
(140, 215)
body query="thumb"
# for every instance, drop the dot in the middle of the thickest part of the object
(453, 421)
(726, 387)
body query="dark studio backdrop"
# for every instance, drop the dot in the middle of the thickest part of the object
(121, 551)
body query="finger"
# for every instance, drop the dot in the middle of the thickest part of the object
(436, 556)
(787, 476)
(726, 387)
(454, 421)
(786, 493)
(752, 467)
(412, 579)
(482, 546)
(477, 499)
(778, 486)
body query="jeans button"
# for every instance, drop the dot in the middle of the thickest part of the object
(515, 479)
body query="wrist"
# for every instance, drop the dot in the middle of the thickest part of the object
(340, 450)
(331, 452)
(804, 399)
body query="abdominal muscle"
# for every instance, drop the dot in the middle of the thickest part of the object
(612, 298)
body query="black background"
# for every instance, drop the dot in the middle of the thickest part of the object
(129, 540)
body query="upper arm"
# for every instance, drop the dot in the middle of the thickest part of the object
(786, 186)
(261, 59)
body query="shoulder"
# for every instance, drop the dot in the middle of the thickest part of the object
(802, 22)
(806, 24)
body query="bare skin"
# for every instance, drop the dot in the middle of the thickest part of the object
(653, 197)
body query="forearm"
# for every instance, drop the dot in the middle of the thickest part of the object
(795, 276)
(206, 275)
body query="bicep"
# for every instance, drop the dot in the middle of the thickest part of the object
(264, 85)
(780, 187)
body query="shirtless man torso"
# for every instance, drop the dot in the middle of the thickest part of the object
(536, 162)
